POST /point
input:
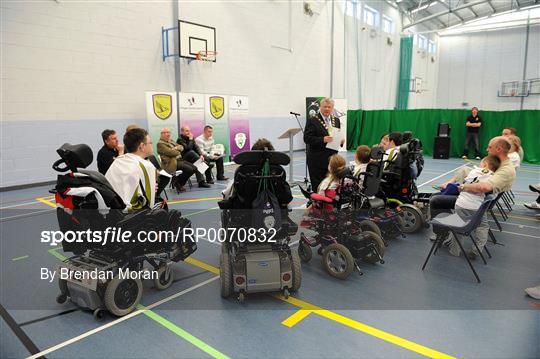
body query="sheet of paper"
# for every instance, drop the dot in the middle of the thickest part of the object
(201, 166)
(337, 137)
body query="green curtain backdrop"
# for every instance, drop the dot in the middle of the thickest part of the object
(405, 63)
(366, 127)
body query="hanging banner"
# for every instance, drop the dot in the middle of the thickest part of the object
(340, 111)
(192, 112)
(216, 114)
(160, 113)
(238, 124)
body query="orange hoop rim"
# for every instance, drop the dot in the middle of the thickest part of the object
(206, 55)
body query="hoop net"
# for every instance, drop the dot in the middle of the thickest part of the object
(207, 55)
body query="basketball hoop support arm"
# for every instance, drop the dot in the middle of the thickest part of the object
(165, 42)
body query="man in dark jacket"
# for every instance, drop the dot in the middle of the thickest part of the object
(192, 153)
(473, 131)
(317, 134)
(110, 150)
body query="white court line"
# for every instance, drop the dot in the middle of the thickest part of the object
(514, 224)
(442, 175)
(27, 214)
(19, 205)
(119, 320)
(521, 234)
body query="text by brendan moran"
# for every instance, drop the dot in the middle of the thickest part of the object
(95, 274)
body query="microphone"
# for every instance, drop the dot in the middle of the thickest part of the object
(294, 113)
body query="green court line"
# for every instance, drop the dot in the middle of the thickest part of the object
(19, 258)
(182, 333)
(54, 252)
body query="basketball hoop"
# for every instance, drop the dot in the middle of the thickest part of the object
(206, 56)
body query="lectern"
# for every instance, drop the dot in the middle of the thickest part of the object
(290, 133)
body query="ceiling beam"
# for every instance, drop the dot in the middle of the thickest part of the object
(422, 3)
(474, 12)
(491, 6)
(453, 13)
(427, 18)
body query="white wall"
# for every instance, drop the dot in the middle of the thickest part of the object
(425, 65)
(276, 80)
(372, 64)
(473, 66)
(71, 69)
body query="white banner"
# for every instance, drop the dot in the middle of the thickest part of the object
(160, 113)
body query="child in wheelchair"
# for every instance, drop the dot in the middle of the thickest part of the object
(338, 235)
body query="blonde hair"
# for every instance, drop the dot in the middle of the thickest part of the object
(336, 166)
(515, 142)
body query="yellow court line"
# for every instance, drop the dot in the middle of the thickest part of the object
(195, 200)
(46, 201)
(296, 317)
(308, 308)
(205, 266)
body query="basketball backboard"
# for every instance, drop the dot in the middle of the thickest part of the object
(516, 88)
(194, 38)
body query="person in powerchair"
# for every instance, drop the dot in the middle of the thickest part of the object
(403, 163)
(342, 240)
(257, 257)
(87, 201)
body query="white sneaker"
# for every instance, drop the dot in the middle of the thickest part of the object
(464, 157)
(535, 187)
(533, 292)
(477, 158)
(532, 205)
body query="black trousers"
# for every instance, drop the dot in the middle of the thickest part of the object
(219, 166)
(187, 171)
(162, 183)
(192, 157)
(472, 137)
(318, 166)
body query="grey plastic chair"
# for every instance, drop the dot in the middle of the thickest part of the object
(455, 224)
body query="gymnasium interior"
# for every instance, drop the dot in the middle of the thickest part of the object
(252, 70)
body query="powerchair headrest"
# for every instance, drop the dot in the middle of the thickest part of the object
(377, 152)
(258, 157)
(74, 156)
(407, 136)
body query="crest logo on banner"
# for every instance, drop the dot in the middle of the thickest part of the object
(217, 106)
(162, 105)
(240, 140)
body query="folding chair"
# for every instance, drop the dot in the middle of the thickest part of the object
(455, 224)
(490, 210)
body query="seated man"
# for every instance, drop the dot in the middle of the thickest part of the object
(501, 181)
(205, 143)
(130, 175)
(392, 149)
(171, 159)
(110, 150)
(192, 153)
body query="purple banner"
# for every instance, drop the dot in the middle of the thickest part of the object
(238, 124)
(192, 112)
